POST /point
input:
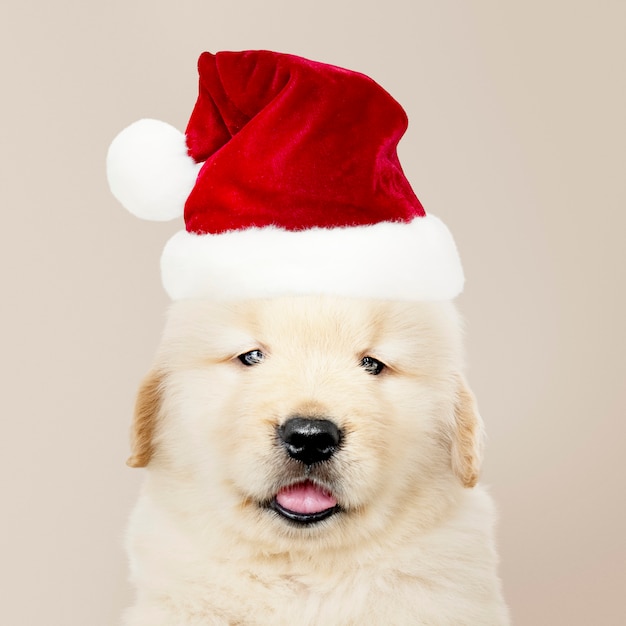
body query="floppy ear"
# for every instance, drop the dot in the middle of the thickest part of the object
(147, 407)
(467, 436)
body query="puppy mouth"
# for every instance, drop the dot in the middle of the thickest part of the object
(304, 503)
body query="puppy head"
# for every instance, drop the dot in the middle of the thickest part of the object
(304, 418)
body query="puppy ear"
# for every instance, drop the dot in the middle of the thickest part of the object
(467, 436)
(147, 407)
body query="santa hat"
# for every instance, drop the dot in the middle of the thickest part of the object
(290, 183)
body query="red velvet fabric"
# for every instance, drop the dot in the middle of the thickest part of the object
(293, 143)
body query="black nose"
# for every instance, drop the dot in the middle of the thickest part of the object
(309, 440)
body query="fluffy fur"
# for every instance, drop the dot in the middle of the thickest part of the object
(413, 541)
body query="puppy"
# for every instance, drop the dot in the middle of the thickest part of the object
(311, 461)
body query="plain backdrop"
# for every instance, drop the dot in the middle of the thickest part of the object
(517, 139)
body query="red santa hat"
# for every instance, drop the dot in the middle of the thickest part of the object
(290, 184)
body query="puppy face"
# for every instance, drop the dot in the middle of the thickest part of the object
(296, 420)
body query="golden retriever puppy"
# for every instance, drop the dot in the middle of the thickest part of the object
(311, 461)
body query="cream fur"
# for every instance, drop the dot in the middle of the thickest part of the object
(414, 544)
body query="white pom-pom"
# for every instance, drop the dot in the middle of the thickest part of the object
(150, 171)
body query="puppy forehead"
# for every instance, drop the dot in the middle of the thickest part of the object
(207, 328)
(316, 321)
(252, 316)
(307, 322)
(359, 321)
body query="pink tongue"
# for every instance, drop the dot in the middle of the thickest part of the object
(305, 498)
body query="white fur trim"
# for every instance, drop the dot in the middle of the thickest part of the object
(394, 261)
(149, 170)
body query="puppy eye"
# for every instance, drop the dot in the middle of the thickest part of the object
(254, 357)
(372, 366)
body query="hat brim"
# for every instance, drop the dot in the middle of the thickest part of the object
(389, 260)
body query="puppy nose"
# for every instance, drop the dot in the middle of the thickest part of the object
(309, 440)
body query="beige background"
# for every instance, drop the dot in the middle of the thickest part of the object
(517, 139)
